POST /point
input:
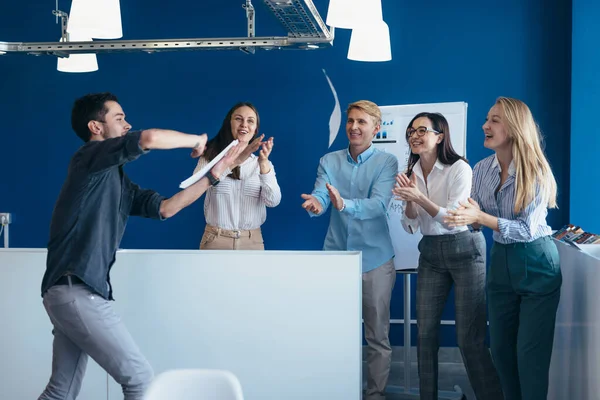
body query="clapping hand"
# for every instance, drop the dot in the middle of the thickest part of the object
(334, 196)
(466, 214)
(406, 188)
(263, 157)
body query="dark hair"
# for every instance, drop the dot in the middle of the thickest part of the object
(225, 136)
(91, 107)
(445, 151)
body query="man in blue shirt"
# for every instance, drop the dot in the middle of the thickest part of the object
(87, 225)
(358, 182)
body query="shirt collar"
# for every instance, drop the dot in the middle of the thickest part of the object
(438, 164)
(362, 157)
(419, 170)
(511, 167)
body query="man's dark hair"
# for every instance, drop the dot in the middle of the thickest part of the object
(91, 107)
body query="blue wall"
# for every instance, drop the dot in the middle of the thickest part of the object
(585, 100)
(469, 51)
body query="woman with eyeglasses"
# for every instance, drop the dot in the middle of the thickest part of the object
(512, 191)
(437, 180)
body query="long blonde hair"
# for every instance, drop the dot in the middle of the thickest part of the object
(532, 168)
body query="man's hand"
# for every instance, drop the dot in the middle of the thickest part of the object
(311, 204)
(263, 158)
(251, 148)
(200, 146)
(335, 197)
(230, 159)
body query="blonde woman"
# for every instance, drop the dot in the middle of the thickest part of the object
(511, 193)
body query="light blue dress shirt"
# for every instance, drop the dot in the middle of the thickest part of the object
(526, 226)
(366, 187)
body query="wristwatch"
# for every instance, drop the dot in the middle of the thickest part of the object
(211, 178)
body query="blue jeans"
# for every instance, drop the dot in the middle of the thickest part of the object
(85, 324)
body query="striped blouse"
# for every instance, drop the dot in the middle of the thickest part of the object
(526, 226)
(241, 204)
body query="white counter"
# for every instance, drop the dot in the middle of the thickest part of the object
(575, 366)
(288, 324)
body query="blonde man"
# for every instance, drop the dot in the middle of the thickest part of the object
(358, 182)
(512, 191)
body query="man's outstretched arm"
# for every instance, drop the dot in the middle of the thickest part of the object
(165, 139)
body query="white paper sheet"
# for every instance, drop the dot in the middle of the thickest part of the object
(200, 174)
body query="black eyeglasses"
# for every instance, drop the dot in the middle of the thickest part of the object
(421, 131)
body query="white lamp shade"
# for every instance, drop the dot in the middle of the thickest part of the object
(370, 43)
(78, 62)
(370, 11)
(343, 14)
(350, 14)
(99, 19)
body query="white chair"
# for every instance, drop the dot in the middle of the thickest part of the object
(195, 384)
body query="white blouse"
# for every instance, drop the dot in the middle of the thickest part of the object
(446, 186)
(241, 204)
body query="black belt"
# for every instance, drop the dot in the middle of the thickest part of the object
(64, 280)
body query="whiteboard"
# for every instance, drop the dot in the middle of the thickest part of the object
(392, 139)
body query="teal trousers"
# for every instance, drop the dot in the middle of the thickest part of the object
(524, 283)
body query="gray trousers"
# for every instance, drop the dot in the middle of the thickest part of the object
(86, 324)
(445, 260)
(377, 288)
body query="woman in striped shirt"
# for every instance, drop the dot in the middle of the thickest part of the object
(235, 207)
(450, 256)
(511, 193)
